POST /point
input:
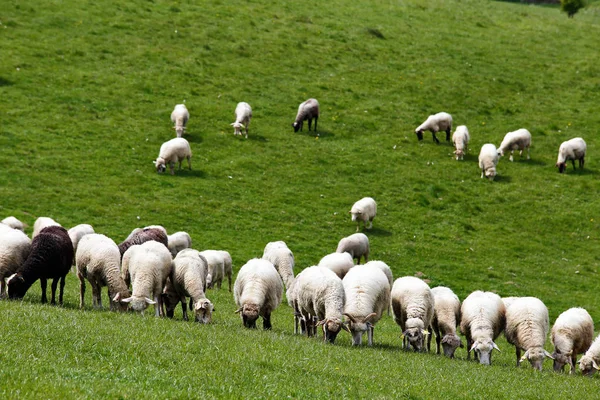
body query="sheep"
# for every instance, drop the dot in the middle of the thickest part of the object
(508, 301)
(591, 359)
(51, 257)
(243, 115)
(367, 291)
(517, 140)
(573, 149)
(99, 261)
(572, 334)
(14, 223)
(171, 152)
(320, 294)
(227, 266)
(307, 110)
(488, 159)
(188, 279)
(357, 245)
(282, 258)
(178, 241)
(216, 268)
(139, 236)
(460, 140)
(15, 247)
(435, 123)
(77, 232)
(180, 117)
(446, 318)
(257, 291)
(364, 210)
(384, 268)
(339, 263)
(147, 266)
(412, 307)
(482, 319)
(41, 223)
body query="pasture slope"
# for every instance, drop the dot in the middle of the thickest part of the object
(86, 90)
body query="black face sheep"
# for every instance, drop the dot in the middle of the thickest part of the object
(139, 236)
(572, 334)
(307, 110)
(435, 123)
(573, 149)
(15, 247)
(51, 257)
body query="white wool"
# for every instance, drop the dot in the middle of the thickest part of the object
(14, 223)
(174, 151)
(15, 247)
(384, 268)
(227, 266)
(460, 139)
(590, 362)
(282, 258)
(216, 268)
(339, 263)
(572, 334)
(41, 223)
(180, 117)
(77, 232)
(357, 245)
(364, 210)
(307, 110)
(573, 149)
(509, 300)
(243, 115)
(441, 121)
(517, 140)
(179, 241)
(488, 159)
(445, 320)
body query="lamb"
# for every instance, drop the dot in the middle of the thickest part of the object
(413, 307)
(15, 247)
(188, 279)
(482, 320)
(435, 123)
(41, 223)
(573, 149)
(77, 232)
(216, 268)
(257, 291)
(147, 266)
(282, 258)
(178, 241)
(14, 223)
(99, 261)
(591, 359)
(571, 334)
(357, 245)
(367, 292)
(460, 139)
(243, 115)
(51, 257)
(171, 152)
(364, 210)
(180, 117)
(139, 236)
(526, 328)
(517, 140)
(339, 263)
(446, 318)
(488, 159)
(320, 294)
(308, 110)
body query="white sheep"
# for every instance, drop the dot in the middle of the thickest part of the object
(364, 210)
(572, 334)
(282, 258)
(216, 268)
(460, 139)
(171, 152)
(98, 260)
(307, 110)
(482, 319)
(435, 123)
(41, 223)
(257, 291)
(77, 232)
(517, 140)
(367, 292)
(243, 115)
(509, 300)
(339, 263)
(180, 117)
(590, 361)
(413, 307)
(488, 159)
(573, 149)
(14, 223)
(446, 318)
(384, 268)
(227, 266)
(147, 266)
(15, 247)
(179, 241)
(320, 295)
(357, 245)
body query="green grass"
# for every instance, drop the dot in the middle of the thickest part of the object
(86, 90)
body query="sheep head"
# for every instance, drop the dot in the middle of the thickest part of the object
(450, 343)
(536, 356)
(209, 281)
(120, 306)
(561, 167)
(203, 310)
(160, 165)
(483, 348)
(419, 133)
(249, 313)
(237, 128)
(17, 287)
(490, 173)
(358, 326)
(560, 360)
(179, 130)
(415, 337)
(588, 365)
(296, 126)
(331, 328)
(138, 303)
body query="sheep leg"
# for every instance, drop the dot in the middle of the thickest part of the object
(435, 139)
(81, 289)
(581, 162)
(189, 160)
(158, 311)
(370, 335)
(448, 135)
(180, 164)
(62, 290)
(316, 119)
(469, 345)
(53, 288)
(438, 340)
(511, 155)
(184, 308)
(518, 351)
(267, 321)
(573, 161)
(172, 168)
(309, 123)
(96, 295)
(2, 289)
(44, 284)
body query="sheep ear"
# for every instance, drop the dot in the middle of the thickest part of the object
(150, 301)
(497, 348)
(127, 300)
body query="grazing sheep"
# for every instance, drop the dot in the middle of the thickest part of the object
(460, 139)
(446, 318)
(257, 291)
(357, 245)
(572, 334)
(367, 292)
(178, 241)
(51, 257)
(15, 247)
(147, 266)
(573, 149)
(188, 279)
(41, 223)
(364, 210)
(488, 159)
(243, 115)
(435, 123)
(517, 140)
(339, 263)
(308, 110)
(216, 268)
(482, 319)
(320, 295)
(77, 232)
(180, 117)
(139, 236)
(588, 364)
(171, 152)
(14, 223)
(99, 261)
(282, 258)
(412, 306)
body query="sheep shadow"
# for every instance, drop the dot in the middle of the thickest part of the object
(320, 134)
(580, 171)
(256, 138)
(501, 179)
(186, 173)
(5, 82)
(193, 138)
(375, 231)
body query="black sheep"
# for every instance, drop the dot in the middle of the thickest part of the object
(142, 236)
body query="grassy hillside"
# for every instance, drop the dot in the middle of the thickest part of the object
(86, 90)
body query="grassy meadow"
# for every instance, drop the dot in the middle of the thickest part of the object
(86, 91)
